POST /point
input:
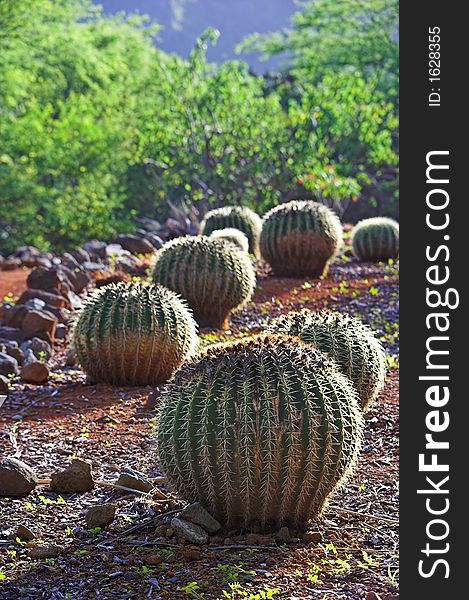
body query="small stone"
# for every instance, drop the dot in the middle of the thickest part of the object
(134, 480)
(153, 559)
(152, 399)
(80, 255)
(61, 331)
(40, 348)
(35, 372)
(45, 279)
(24, 533)
(312, 537)
(196, 513)
(16, 478)
(101, 515)
(75, 478)
(283, 535)
(94, 248)
(189, 531)
(135, 244)
(11, 333)
(39, 321)
(46, 551)
(372, 596)
(191, 553)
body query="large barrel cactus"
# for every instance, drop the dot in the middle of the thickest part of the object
(260, 431)
(376, 239)
(130, 334)
(214, 277)
(300, 238)
(236, 217)
(358, 354)
(234, 236)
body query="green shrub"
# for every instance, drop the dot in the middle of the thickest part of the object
(129, 334)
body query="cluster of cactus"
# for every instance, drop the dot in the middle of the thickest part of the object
(376, 239)
(235, 217)
(352, 345)
(300, 238)
(260, 431)
(132, 334)
(214, 277)
(234, 236)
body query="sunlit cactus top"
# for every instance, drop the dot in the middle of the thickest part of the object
(376, 239)
(234, 236)
(236, 217)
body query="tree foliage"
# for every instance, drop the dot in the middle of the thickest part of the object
(98, 125)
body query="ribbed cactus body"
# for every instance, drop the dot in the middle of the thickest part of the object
(236, 217)
(129, 334)
(234, 236)
(300, 238)
(214, 277)
(376, 239)
(260, 431)
(358, 354)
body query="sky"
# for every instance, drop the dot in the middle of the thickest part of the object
(184, 20)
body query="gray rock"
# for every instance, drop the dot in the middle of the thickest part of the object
(8, 364)
(134, 480)
(16, 478)
(95, 249)
(11, 333)
(196, 513)
(39, 321)
(154, 240)
(75, 478)
(45, 279)
(80, 255)
(35, 304)
(61, 331)
(40, 348)
(189, 531)
(45, 551)
(94, 266)
(11, 348)
(101, 515)
(53, 298)
(135, 244)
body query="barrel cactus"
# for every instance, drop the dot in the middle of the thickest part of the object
(358, 354)
(300, 238)
(376, 239)
(236, 217)
(260, 431)
(214, 277)
(132, 334)
(234, 236)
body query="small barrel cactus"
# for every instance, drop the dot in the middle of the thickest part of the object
(214, 277)
(132, 334)
(300, 238)
(234, 236)
(376, 239)
(358, 354)
(235, 217)
(260, 431)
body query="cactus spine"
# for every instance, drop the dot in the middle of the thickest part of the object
(300, 238)
(352, 345)
(236, 217)
(214, 277)
(260, 431)
(129, 334)
(234, 236)
(376, 239)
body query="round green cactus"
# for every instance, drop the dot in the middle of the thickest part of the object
(234, 236)
(358, 354)
(300, 238)
(132, 334)
(236, 217)
(214, 277)
(260, 431)
(376, 239)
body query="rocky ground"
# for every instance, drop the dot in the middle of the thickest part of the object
(351, 553)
